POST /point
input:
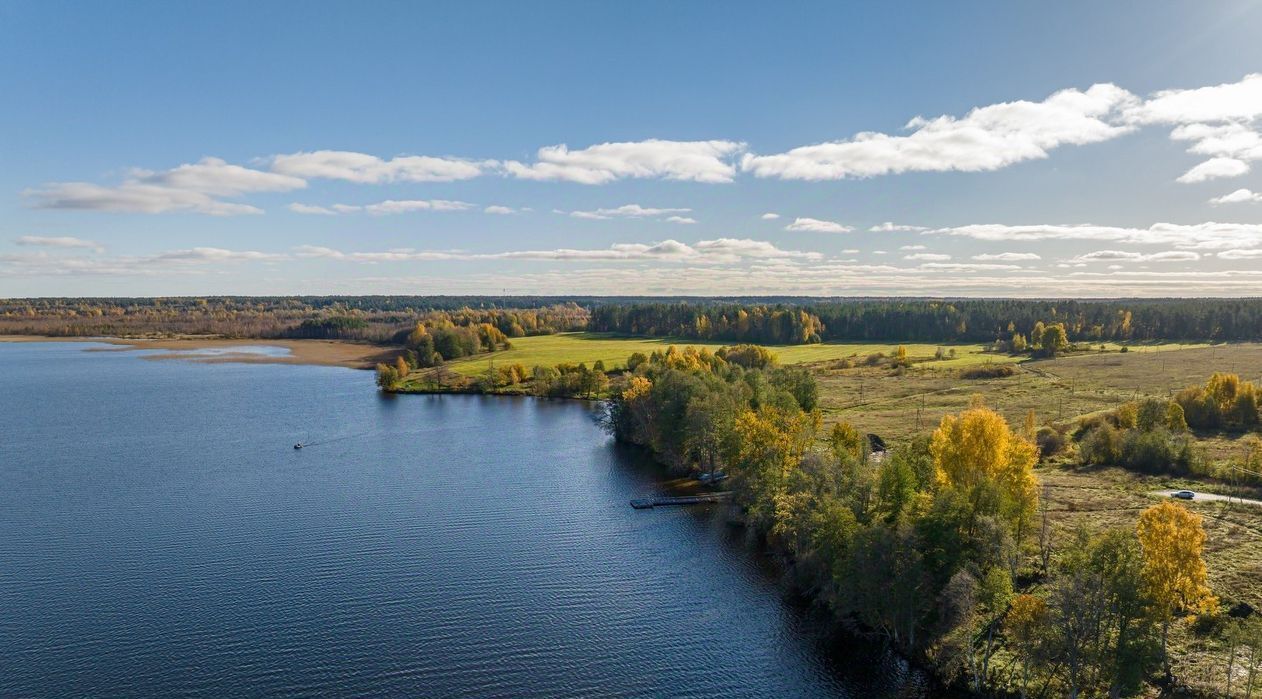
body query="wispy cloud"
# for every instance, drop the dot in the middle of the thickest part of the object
(891, 227)
(63, 241)
(817, 226)
(1208, 235)
(696, 161)
(718, 251)
(1128, 256)
(189, 187)
(628, 211)
(1006, 257)
(383, 208)
(370, 169)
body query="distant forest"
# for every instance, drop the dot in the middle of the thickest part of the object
(771, 320)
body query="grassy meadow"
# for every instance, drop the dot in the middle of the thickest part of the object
(613, 350)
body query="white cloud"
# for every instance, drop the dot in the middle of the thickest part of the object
(182, 262)
(215, 177)
(1214, 168)
(500, 210)
(384, 208)
(912, 247)
(369, 169)
(63, 241)
(850, 251)
(987, 138)
(1237, 197)
(1006, 257)
(311, 210)
(1241, 254)
(927, 257)
(697, 161)
(1225, 102)
(817, 225)
(967, 267)
(627, 211)
(131, 197)
(891, 227)
(189, 187)
(769, 216)
(687, 220)
(719, 251)
(1201, 236)
(207, 254)
(1125, 256)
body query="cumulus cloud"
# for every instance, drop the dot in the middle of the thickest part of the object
(499, 210)
(370, 169)
(891, 227)
(686, 220)
(1225, 102)
(189, 187)
(696, 161)
(769, 216)
(63, 241)
(1213, 169)
(912, 247)
(1203, 236)
(1219, 121)
(987, 138)
(817, 226)
(1006, 257)
(1237, 197)
(927, 257)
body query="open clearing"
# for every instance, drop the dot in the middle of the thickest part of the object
(613, 350)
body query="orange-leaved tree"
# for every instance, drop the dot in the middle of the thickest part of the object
(977, 454)
(1172, 540)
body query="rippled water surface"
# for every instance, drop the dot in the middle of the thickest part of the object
(159, 536)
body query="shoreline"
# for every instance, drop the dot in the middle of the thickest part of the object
(339, 353)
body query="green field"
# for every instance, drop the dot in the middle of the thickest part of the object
(613, 350)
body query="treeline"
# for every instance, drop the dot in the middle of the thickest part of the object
(364, 319)
(986, 320)
(1018, 323)
(774, 320)
(772, 325)
(931, 545)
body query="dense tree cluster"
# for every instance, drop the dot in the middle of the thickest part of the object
(1150, 435)
(379, 319)
(770, 325)
(1225, 401)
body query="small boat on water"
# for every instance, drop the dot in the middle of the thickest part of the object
(298, 445)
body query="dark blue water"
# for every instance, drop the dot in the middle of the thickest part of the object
(160, 537)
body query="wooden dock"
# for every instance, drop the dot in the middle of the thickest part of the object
(662, 501)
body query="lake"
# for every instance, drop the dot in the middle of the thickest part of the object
(160, 536)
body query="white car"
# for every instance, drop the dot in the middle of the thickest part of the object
(1183, 494)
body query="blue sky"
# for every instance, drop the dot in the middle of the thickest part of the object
(1083, 149)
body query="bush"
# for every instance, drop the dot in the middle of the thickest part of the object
(1050, 441)
(988, 371)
